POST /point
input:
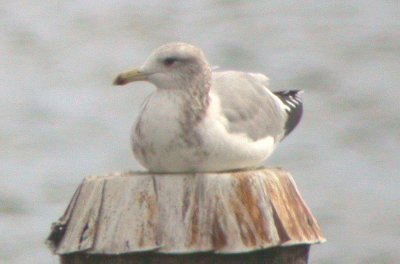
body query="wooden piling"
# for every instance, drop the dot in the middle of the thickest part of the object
(255, 216)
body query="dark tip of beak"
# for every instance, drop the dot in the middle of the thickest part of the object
(119, 80)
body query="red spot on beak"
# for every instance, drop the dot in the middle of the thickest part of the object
(119, 81)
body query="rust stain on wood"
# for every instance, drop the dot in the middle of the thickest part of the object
(194, 221)
(283, 236)
(219, 236)
(251, 201)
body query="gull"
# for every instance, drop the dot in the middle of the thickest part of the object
(200, 120)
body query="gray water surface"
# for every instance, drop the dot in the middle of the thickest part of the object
(61, 119)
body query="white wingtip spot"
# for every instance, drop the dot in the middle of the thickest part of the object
(290, 103)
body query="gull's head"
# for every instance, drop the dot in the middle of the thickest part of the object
(172, 65)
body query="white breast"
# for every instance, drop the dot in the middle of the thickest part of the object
(157, 135)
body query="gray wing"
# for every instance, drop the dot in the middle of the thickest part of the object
(248, 106)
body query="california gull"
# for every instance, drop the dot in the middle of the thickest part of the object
(199, 120)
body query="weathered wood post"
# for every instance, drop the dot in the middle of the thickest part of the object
(252, 217)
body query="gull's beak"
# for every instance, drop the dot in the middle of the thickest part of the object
(130, 76)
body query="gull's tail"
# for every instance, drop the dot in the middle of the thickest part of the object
(294, 109)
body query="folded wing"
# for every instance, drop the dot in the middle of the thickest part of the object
(250, 108)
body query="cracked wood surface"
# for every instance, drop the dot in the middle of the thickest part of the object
(233, 212)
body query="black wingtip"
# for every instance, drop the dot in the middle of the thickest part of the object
(292, 100)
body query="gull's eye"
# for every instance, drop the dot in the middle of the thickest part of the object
(169, 61)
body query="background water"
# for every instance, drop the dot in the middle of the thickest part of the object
(62, 120)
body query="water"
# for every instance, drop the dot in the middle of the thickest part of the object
(62, 120)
